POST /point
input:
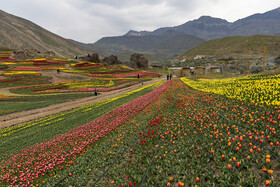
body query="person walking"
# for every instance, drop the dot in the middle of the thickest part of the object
(95, 92)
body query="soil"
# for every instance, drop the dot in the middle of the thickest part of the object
(55, 78)
(29, 115)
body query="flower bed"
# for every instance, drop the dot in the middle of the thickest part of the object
(16, 73)
(53, 154)
(256, 89)
(185, 138)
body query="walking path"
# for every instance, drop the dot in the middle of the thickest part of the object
(29, 115)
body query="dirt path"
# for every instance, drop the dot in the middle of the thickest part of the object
(29, 115)
(63, 77)
(55, 78)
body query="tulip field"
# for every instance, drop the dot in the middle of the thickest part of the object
(34, 83)
(182, 132)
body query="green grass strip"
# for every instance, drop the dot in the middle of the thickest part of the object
(30, 133)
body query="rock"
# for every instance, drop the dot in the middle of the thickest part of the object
(30, 53)
(277, 60)
(94, 57)
(138, 61)
(50, 53)
(111, 60)
(22, 54)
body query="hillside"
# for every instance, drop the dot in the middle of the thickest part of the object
(237, 46)
(168, 42)
(207, 27)
(162, 46)
(18, 33)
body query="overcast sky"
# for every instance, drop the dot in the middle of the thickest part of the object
(89, 20)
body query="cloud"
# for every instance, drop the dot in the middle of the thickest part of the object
(89, 20)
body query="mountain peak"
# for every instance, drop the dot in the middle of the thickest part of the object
(132, 33)
(210, 19)
(136, 33)
(32, 36)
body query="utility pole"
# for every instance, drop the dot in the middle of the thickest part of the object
(235, 67)
(220, 67)
(264, 58)
(247, 65)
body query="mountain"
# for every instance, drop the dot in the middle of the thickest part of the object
(136, 33)
(237, 46)
(266, 24)
(162, 46)
(207, 27)
(18, 33)
(166, 42)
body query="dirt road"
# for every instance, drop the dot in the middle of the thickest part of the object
(29, 115)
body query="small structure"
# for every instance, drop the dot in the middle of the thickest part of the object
(198, 57)
(156, 66)
(188, 71)
(177, 71)
(211, 69)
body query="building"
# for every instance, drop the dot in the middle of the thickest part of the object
(177, 71)
(187, 71)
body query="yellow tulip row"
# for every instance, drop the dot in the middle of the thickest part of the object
(86, 84)
(74, 65)
(61, 59)
(21, 73)
(59, 117)
(255, 89)
(39, 59)
(74, 71)
(8, 63)
(5, 52)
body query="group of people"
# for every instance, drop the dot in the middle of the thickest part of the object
(169, 77)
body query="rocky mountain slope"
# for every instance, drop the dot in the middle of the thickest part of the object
(207, 27)
(18, 33)
(162, 46)
(237, 46)
(167, 42)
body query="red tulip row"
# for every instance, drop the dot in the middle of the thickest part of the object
(36, 161)
(141, 74)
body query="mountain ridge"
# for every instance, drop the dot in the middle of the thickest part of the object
(238, 46)
(212, 24)
(203, 28)
(163, 46)
(19, 33)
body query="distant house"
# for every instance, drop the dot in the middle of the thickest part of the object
(212, 69)
(187, 71)
(198, 57)
(176, 71)
(200, 70)
(156, 65)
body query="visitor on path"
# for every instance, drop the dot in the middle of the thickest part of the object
(167, 77)
(58, 71)
(95, 92)
(170, 77)
(138, 76)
